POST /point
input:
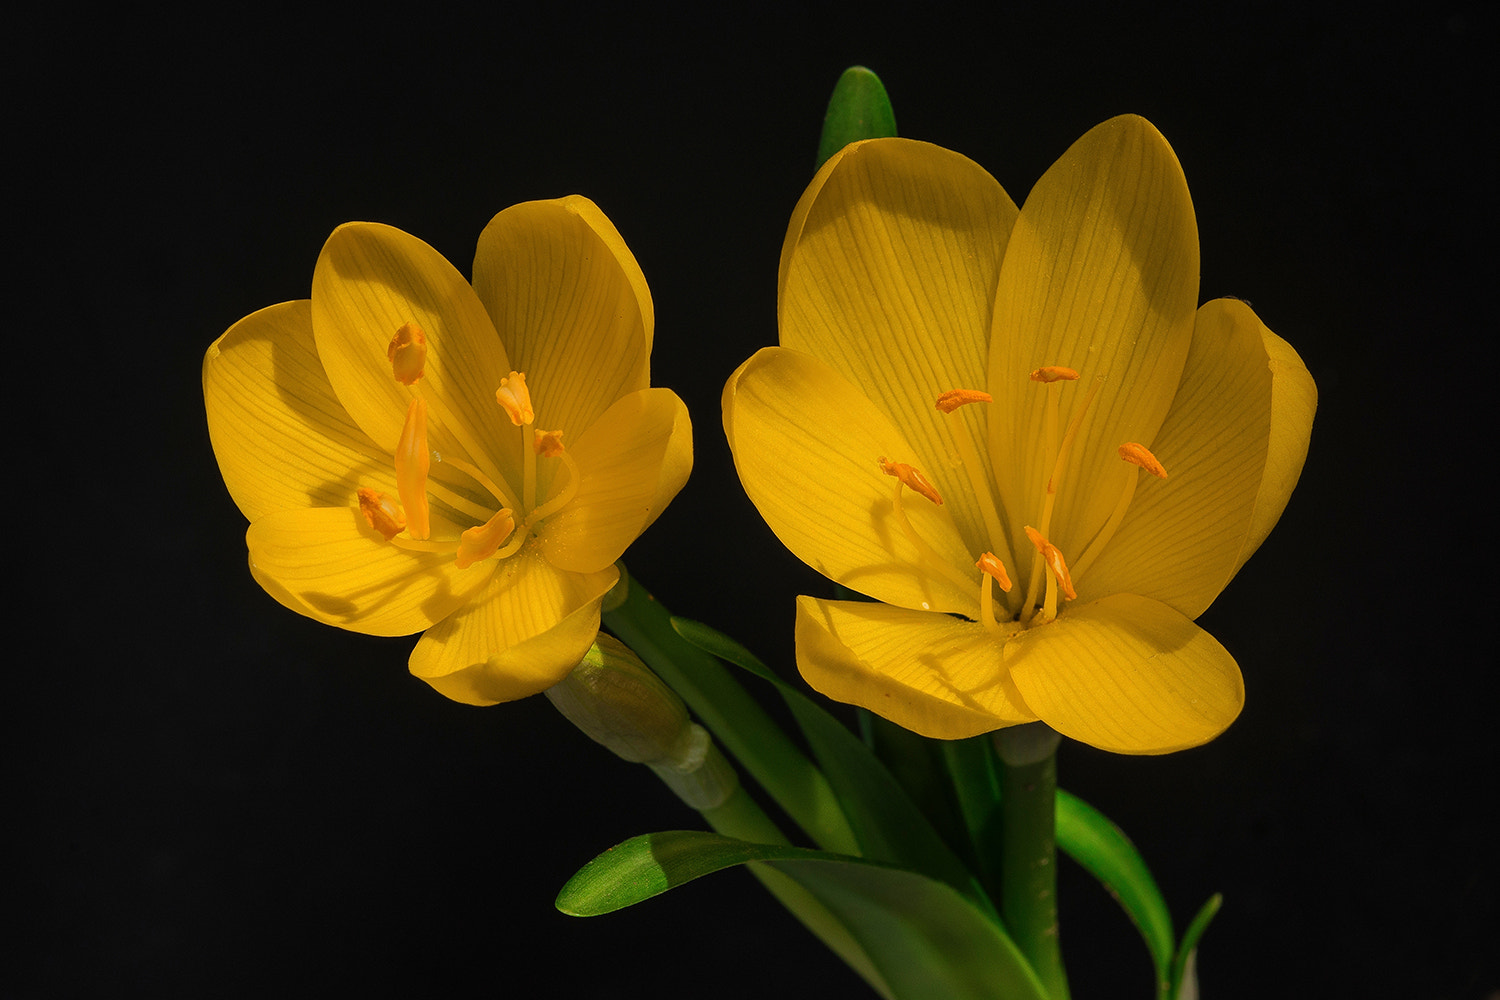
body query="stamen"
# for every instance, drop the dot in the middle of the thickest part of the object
(408, 354)
(992, 572)
(1135, 454)
(991, 566)
(954, 398)
(381, 512)
(515, 398)
(1059, 572)
(911, 478)
(549, 444)
(412, 462)
(483, 541)
(906, 476)
(1054, 373)
(979, 479)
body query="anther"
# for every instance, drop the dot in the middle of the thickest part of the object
(1054, 373)
(408, 354)
(1054, 560)
(515, 398)
(954, 398)
(412, 462)
(1137, 454)
(991, 565)
(483, 541)
(911, 479)
(381, 512)
(549, 444)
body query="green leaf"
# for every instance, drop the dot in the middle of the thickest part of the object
(1185, 967)
(887, 824)
(1102, 848)
(924, 938)
(859, 109)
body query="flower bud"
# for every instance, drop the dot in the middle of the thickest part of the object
(618, 702)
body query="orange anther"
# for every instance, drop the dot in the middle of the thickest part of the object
(412, 462)
(954, 398)
(381, 512)
(911, 479)
(1054, 560)
(516, 399)
(549, 443)
(483, 540)
(988, 563)
(1053, 373)
(408, 354)
(1137, 454)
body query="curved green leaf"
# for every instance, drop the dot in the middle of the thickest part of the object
(1185, 967)
(924, 938)
(1088, 837)
(887, 824)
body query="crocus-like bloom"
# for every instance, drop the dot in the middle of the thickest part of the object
(1019, 432)
(418, 455)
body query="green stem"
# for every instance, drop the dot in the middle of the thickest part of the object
(1028, 848)
(737, 721)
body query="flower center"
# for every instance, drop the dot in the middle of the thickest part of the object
(499, 531)
(1041, 601)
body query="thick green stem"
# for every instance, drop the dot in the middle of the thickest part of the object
(1028, 848)
(736, 720)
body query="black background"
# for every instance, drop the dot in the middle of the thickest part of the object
(212, 796)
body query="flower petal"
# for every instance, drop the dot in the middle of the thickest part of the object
(1100, 275)
(807, 445)
(1181, 536)
(327, 563)
(1129, 675)
(523, 633)
(936, 675)
(888, 275)
(282, 439)
(631, 462)
(1294, 398)
(571, 306)
(371, 280)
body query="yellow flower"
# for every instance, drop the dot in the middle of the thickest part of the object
(418, 455)
(966, 393)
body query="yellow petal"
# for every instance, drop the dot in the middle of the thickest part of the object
(1127, 674)
(370, 281)
(936, 675)
(523, 633)
(1181, 537)
(1294, 398)
(281, 437)
(571, 306)
(629, 461)
(1100, 275)
(328, 564)
(806, 444)
(888, 275)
